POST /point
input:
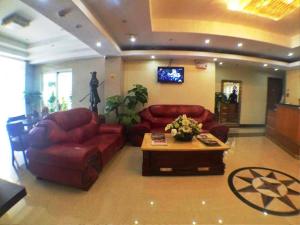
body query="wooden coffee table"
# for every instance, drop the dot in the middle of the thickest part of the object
(10, 194)
(182, 158)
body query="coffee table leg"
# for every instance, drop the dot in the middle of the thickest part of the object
(146, 163)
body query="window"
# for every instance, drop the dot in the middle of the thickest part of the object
(57, 90)
(12, 87)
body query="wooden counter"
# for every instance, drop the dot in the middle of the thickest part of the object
(283, 127)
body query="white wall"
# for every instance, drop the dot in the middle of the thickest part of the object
(81, 77)
(198, 87)
(293, 87)
(254, 89)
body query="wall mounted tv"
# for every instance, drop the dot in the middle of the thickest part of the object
(170, 75)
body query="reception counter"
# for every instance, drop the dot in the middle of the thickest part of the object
(283, 128)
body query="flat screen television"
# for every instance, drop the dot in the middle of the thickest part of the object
(170, 75)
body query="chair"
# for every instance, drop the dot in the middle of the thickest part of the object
(16, 118)
(18, 139)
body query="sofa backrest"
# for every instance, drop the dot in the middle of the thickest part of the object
(71, 119)
(173, 111)
(161, 115)
(72, 126)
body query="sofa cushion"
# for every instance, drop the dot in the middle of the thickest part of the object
(64, 155)
(161, 122)
(107, 144)
(71, 119)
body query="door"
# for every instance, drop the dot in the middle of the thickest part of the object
(230, 108)
(275, 91)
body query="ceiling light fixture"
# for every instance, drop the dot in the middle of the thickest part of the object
(220, 63)
(240, 44)
(98, 44)
(265, 65)
(152, 56)
(207, 41)
(215, 59)
(15, 21)
(272, 9)
(276, 69)
(291, 54)
(132, 38)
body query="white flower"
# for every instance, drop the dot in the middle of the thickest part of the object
(168, 127)
(186, 129)
(173, 132)
(200, 125)
(184, 117)
(185, 122)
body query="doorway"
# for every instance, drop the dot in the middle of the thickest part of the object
(230, 107)
(274, 94)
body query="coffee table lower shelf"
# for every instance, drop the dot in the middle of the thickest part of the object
(168, 163)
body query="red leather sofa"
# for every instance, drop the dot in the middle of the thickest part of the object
(71, 147)
(154, 119)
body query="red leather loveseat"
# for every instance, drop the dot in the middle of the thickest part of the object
(71, 148)
(154, 119)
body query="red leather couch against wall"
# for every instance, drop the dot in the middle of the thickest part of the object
(71, 147)
(154, 119)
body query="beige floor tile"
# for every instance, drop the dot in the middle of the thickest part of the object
(122, 196)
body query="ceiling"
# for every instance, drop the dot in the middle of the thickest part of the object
(42, 40)
(166, 27)
(161, 24)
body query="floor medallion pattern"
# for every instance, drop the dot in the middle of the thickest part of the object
(267, 190)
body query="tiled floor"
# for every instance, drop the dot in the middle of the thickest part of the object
(246, 131)
(122, 196)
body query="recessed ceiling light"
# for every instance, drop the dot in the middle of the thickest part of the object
(265, 65)
(291, 54)
(194, 222)
(98, 44)
(132, 38)
(240, 44)
(207, 41)
(220, 221)
(136, 222)
(276, 69)
(215, 59)
(152, 56)
(220, 63)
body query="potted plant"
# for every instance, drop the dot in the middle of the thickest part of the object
(125, 107)
(184, 128)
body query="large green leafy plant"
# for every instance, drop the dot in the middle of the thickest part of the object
(125, 107)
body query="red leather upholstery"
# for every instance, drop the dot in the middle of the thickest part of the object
(71, 148)
(156, 117)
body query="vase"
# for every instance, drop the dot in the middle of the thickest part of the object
(184, 137)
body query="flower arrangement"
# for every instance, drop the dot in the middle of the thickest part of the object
(184, 128)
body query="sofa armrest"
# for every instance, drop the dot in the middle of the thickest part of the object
(111, 129)
(141, 128)
(218, 130)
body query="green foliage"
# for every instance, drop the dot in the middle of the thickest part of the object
(64, 105)
(52, 102)
(113, 103)
(125, 107)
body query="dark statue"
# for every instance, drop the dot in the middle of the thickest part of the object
(94, 97)
(233, 96)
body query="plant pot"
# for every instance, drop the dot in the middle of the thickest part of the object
(184, 137)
